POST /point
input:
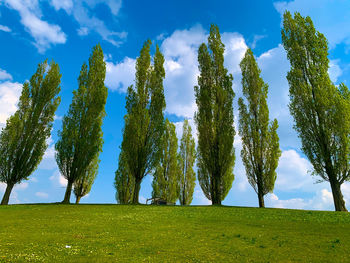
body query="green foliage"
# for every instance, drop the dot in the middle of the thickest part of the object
(124, 182)
(320, 109)
(260, 151)
(214, 119)
(187, 158)
(124, 233)
(166, 176)
(23, 140)
(80, 140)
(144, 121)
(82, 185)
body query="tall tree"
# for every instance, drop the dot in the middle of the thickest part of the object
(83, 184)
(23, 140)
(80, 140)
(187, 158)
(214, 119)
(166, 176)
(124, 182)
(260, 152)
(144, 121)
(321, 110)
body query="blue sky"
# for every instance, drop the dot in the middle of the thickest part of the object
(66, 31)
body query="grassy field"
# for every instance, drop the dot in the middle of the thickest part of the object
(116, 233)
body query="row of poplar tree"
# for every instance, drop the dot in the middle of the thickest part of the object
(320, 109)
(23, 140)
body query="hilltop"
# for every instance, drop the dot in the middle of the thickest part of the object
(109, 233)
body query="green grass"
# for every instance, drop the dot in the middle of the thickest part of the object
(116, 233)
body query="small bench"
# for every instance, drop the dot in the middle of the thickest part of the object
(158, 201)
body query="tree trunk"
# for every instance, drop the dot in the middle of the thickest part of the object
(77, 200)
(135, 198)
(212, 191)
(260, 190)
(216, 198)
(183, 200)
(338, 198)
(66, 199)
(261, 199)
(6, 197)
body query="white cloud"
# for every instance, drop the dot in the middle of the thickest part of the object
(346, 192)
(57, 178)
(120, 76)
(181, 70)
(161, 36)
(323, 200)
(114, 6)
(21, 186)
(9, 95)
(45, 34)
(2, 187)
(293, 173)
(5, 28)
(235, 48)
(4, 75)
(198, 196)
(83, 31)
(142, 199)
(331, 17)
(256, 39)
(66, 5)
(33, 179)
(274, 66)
(181, 66)
(334, 70)
(294, 203)
(48, 162)
(82, 11)
(42, 195)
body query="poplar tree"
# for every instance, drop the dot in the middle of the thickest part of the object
(144, 121)
(214, 119)
(187, 158)
(80, 140)
(124, 182)
(23, 140)
(321, 110)
(82, 185)
(167, 174)
(260, 151)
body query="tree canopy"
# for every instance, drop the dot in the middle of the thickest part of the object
(320, 109)
(260, 142)
(83, 184)
(23, 140)
(144, 121)
(124, 182)
(214, 119)
(166, 176)
(80, 139)
(187, 158)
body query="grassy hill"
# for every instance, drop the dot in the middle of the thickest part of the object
(116, 233)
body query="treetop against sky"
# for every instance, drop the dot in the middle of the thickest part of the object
(65, 31)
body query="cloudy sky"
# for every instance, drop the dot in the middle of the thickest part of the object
(66, 30)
